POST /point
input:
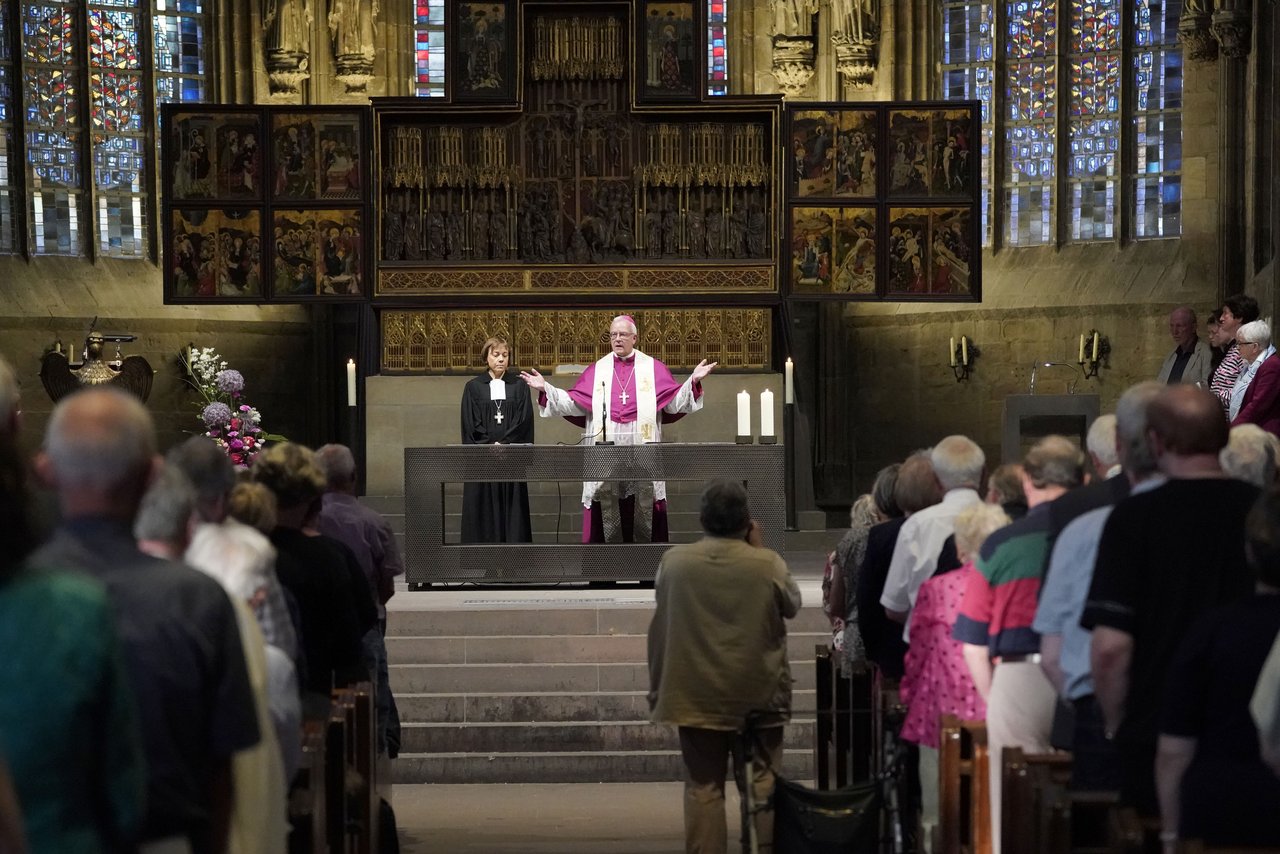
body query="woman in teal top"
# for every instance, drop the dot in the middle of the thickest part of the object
(67, 726)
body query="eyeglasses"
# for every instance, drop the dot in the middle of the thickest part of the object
(1248, 344)
(621, 334)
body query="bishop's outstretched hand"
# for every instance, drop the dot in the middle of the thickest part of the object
(702, 370)
(534, 380)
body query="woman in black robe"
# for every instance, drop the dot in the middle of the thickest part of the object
(496, 512)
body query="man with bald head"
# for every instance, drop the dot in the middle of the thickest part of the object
(178, 630)
(1165, 557)
(624, 399)
(1192, 358)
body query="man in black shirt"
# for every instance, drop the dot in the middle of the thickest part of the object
(1165, 557)
(177, 627)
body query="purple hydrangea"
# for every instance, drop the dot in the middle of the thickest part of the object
(216, 415)
(229, 381)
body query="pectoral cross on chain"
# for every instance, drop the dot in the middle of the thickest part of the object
(624, 396)
(498, 417)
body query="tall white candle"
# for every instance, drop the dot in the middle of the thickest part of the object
(766, 413)
(789, 391)
(351, 382)
(744, 413)
(951, 352)
(964, 350)
(1081, 360)
(1095, 347)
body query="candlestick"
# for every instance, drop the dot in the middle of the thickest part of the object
(1095, 347)
(766, 413)
(744, 417)
(351, 382)
(789, 389)
(951, 352)
(964, 350)
(1081, 348)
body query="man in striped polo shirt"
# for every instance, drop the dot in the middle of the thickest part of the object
(994, 624)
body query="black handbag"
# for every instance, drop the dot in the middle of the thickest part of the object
(838, 821)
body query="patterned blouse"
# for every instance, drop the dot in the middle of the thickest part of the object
(937, 680)
(1224, 376)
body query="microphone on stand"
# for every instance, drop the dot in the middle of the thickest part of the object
(604, 416)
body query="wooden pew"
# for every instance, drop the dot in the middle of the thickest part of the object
(1036, 814)
(335, 776)
(307, 816)
(964, 820)
(362, 773)
(1042, 813)
(824, 714)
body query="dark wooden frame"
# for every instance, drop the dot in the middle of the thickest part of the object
(173, 113)
(265, 203)
(882, 202)
(511, 64)
(171, 297)
(640, 42)
(281, 210)
(359, 118)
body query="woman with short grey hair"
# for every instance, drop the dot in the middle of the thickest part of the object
(1260, 396)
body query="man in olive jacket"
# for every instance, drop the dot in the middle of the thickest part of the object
(717, 651)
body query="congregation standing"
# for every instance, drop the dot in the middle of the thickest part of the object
(168, 651)
(1131, 616)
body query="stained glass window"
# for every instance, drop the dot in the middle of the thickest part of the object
(1094, 118)
(717, 48)
(115, 120)
(968, 75)
(1031, 110)
(8, 199)
(178, 30)
(81, 75)
(1157, 119)
(428, 48)
(52, 93)
(1081, 43)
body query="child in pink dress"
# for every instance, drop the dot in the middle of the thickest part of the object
(936, 680)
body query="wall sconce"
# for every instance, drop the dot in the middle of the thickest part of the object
(185, 357)
(960, 356)
(1094, 350)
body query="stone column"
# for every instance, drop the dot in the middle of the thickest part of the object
(1232, 29)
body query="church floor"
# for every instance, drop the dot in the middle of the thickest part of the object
(576, 818)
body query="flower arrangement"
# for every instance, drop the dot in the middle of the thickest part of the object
(234, 425)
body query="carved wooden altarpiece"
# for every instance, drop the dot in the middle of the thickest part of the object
(598, 185)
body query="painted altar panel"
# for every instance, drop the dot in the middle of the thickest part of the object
(269, 204)
(883, 202)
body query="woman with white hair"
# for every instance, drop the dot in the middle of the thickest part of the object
(1260, 398)
(234, 556)
(1251, 455)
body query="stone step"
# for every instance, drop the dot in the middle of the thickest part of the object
(537, 678)
(562, 737)
(545, 707)
(562, 649)
(588, 619)
(584, 767)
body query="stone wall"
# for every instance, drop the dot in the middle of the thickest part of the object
(1036, 302)
(51, 299)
